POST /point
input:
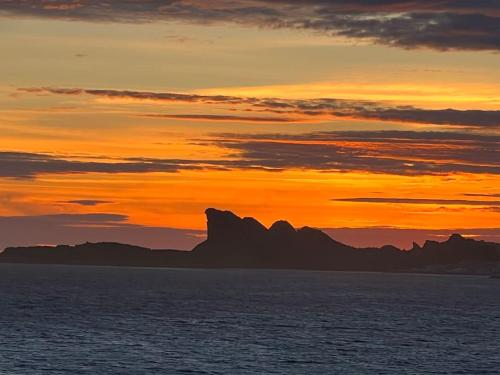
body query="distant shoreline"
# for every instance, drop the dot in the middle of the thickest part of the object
(412, 272)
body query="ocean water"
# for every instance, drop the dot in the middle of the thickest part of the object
(105, 320)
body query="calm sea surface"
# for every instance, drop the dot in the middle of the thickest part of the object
(100, 320)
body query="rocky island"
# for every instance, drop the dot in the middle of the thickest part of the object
(235, 242)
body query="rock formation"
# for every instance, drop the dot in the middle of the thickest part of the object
(245, 243)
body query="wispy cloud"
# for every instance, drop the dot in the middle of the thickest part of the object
(223, 118)
(460, 202)
(482, 195)
(29, 165)
(390, 152)
(87, 202)
(441, 25)
(311, 108)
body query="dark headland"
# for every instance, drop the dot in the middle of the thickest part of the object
(234, 242)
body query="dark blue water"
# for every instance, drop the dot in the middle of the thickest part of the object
(98, 320)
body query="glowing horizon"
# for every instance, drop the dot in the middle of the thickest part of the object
(155, 114)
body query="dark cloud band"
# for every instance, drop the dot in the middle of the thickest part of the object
(391, 152)
(441, 25)
(445, 202)
(29, 165)
(87, 202)
(223, 118)
(308, 108)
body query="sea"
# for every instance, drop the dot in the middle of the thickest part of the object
(116, 320)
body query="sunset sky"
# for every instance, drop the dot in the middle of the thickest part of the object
(377, 120)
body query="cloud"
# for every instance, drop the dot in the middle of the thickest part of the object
(461, 202)
(72, 229)
(391, 152)
(25, 165)
(468, 118)
(440, 25)
(225, 118)
(381, 136)
(482, 195)
(29, 165)
(308, 108)
(87, 202)
(143, 95)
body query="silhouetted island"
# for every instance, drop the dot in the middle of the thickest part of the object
(234, 242)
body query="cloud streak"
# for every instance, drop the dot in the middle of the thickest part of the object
(87, 202)
(440, 25)
(454, 202)
(29, 165)
(482, 195)
(390, 152)
(223, 118)
(314, 109)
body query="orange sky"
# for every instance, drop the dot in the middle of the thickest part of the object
(157, 121)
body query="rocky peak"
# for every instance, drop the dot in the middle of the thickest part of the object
(253, 224)
(282, 228)
(219, 223)
(455, 237)
(230, 233)
(224, 226)
(316, 237)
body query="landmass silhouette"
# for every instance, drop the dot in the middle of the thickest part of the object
(235, 242)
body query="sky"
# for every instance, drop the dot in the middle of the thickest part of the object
(376, 120)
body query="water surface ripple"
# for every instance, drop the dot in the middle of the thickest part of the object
(105, 320)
